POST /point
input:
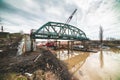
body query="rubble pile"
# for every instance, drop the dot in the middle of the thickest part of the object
(46, 62)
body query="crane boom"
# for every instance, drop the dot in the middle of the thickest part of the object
(69, 19)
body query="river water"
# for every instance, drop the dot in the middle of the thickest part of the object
(102, 65)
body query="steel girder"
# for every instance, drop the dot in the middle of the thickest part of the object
(56, 30)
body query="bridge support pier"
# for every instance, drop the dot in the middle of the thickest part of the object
(68, 47)
(33, 46)
(72, 43)
(59, 44)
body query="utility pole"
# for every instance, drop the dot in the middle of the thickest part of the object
(1, 28)
(1, 25)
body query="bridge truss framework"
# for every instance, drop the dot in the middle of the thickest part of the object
(56, 30)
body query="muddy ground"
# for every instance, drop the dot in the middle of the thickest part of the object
(42, 59)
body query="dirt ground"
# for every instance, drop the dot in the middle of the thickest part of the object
(42, 64)
(30, 62)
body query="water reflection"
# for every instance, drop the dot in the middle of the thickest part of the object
(76, 60)
(103, 65)
(101, 59)
(73, 60)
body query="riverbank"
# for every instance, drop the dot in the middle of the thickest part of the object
(42, 60)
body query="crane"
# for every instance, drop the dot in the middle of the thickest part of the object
(71, 16)
(68, 20)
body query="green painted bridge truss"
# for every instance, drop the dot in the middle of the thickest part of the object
(55, 30)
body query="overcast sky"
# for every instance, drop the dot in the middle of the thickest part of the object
(24, 15)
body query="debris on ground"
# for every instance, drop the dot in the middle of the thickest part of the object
(46, 62)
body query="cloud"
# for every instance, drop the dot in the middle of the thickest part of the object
(100, 12)
(24, 15)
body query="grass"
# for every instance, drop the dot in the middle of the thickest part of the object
(12, 76)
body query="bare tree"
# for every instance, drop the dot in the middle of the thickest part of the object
(101, 35)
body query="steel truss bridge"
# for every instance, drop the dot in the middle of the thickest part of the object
(56, 30)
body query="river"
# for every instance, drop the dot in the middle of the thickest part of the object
(103, 65)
